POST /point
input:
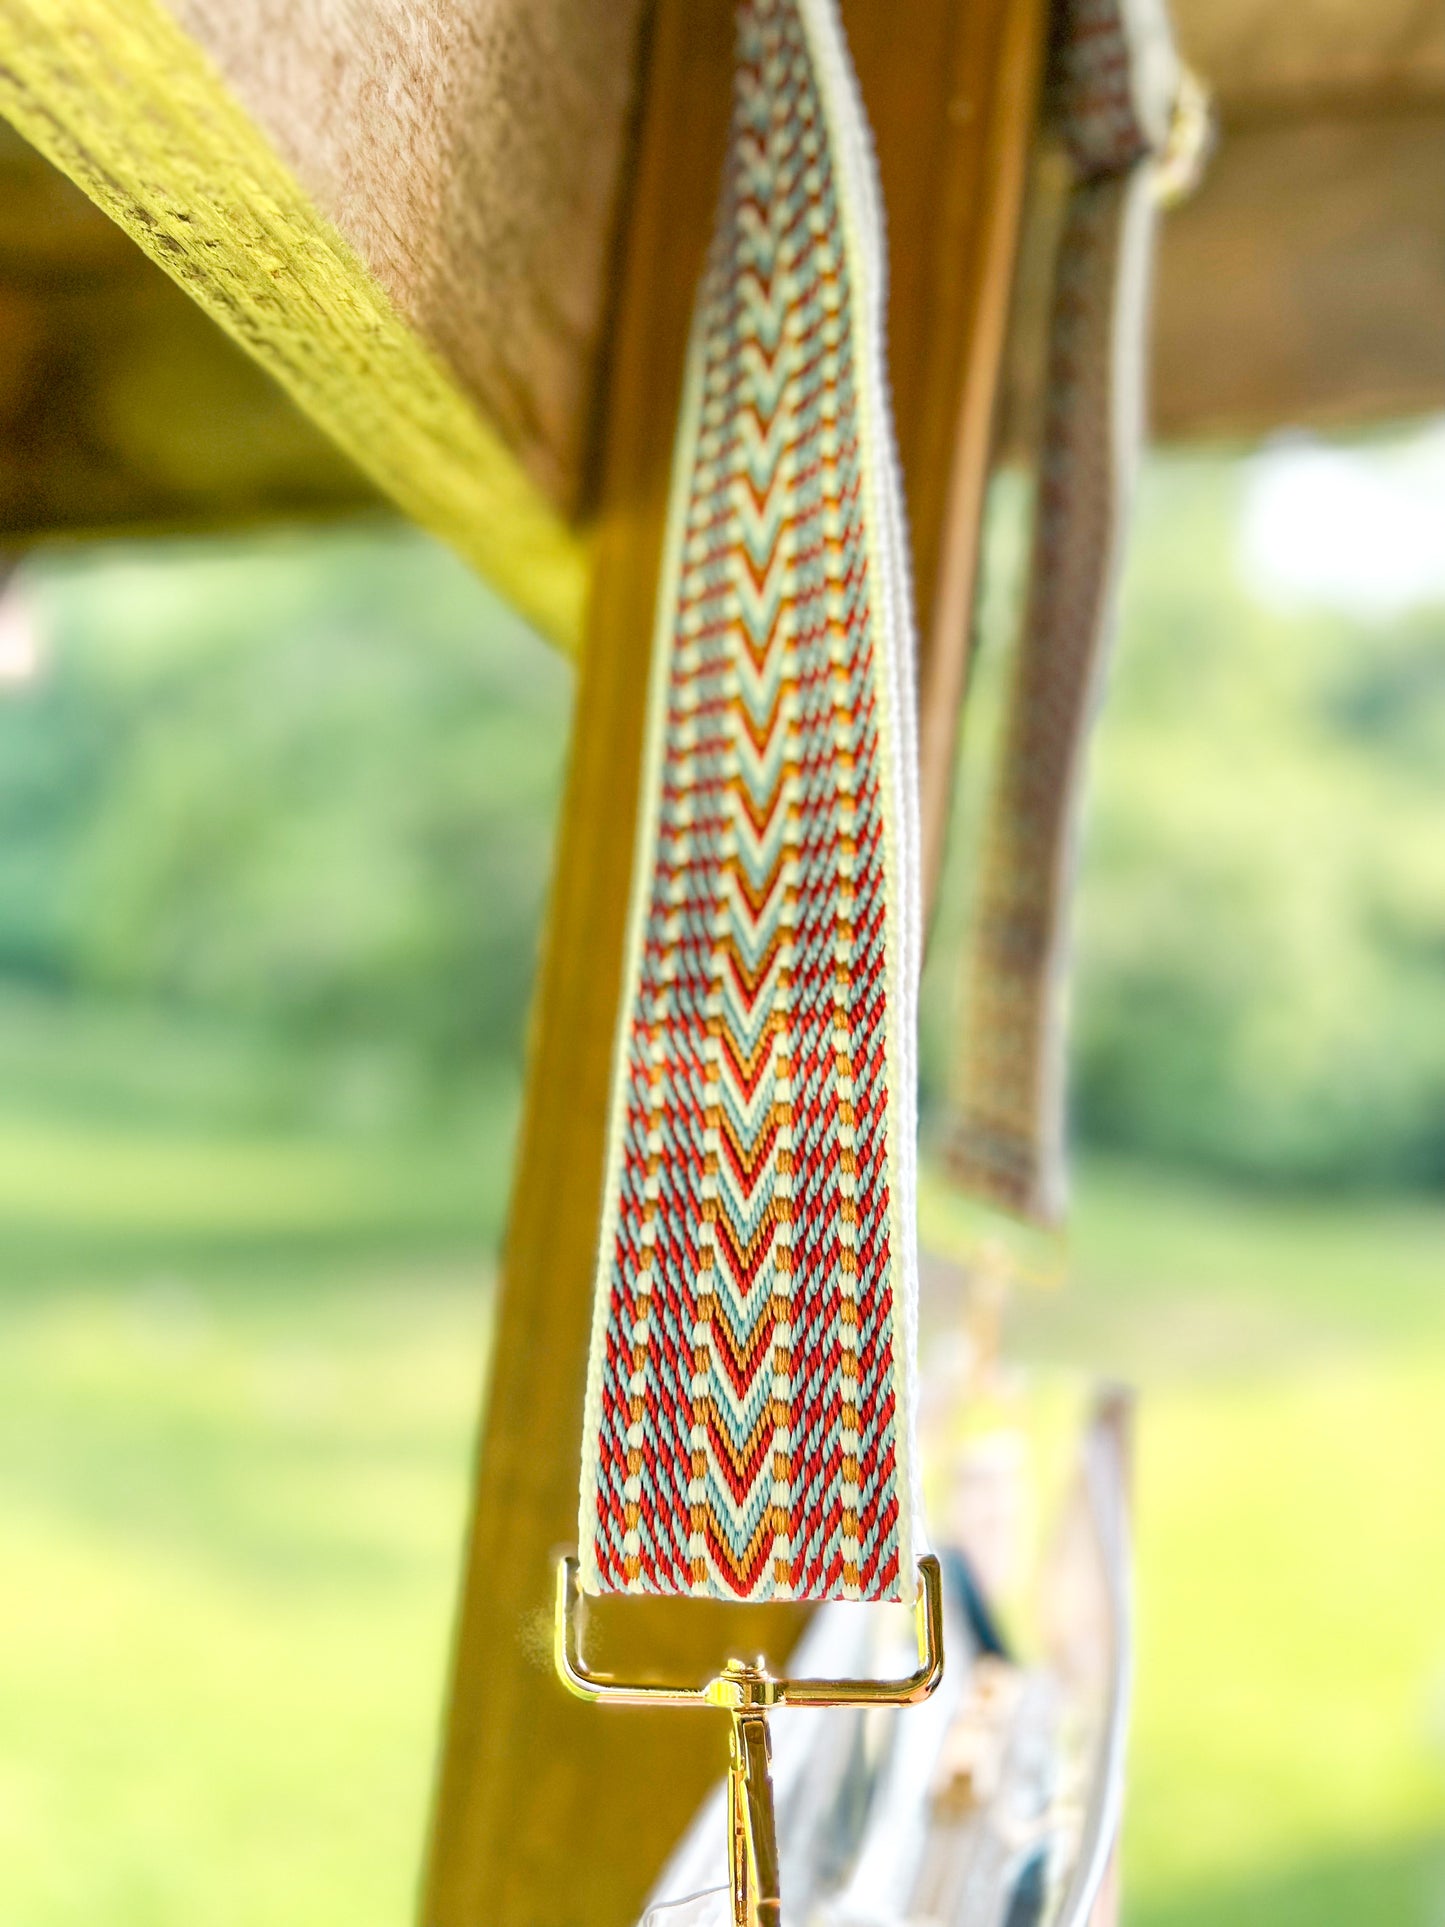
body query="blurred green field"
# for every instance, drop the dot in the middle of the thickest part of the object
(1289, 1734)
(238, 1382)
(239, 1377)
(275, 817)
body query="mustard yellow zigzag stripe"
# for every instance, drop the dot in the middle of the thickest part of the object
(117, 97)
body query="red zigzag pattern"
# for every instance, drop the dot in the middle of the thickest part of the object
(743, 1410)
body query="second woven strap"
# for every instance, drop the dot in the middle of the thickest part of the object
(749, 1408)
(1113, 83)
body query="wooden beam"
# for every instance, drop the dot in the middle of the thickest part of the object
(117, 96)
(1313, 55)
(952, 95)
(471, 155)
(550, 1813)
(1304, 285)
(123, 407)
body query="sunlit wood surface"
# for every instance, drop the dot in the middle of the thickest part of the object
(122, 406)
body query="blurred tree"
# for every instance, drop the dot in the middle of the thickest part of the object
(1262, 939)
(305, 787)
(307, 784)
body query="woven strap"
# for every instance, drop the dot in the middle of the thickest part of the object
(749, 1405)
(1114, 77)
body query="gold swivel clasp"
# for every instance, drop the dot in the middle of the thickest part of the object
(748, 1693)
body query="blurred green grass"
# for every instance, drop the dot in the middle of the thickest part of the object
(235, 1430)
(274, 831)
(1288, 1754)
(233, 1470)
(1291, 1712)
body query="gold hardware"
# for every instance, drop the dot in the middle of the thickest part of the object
(748, 1694)
(752, 1825)
(1188, 144)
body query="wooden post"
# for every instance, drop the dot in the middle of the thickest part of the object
(550, 1813)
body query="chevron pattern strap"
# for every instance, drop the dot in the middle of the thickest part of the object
(1113, 80)
(749, 1407)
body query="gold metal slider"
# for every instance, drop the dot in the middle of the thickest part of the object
(748, 1693)
(1181, 162)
